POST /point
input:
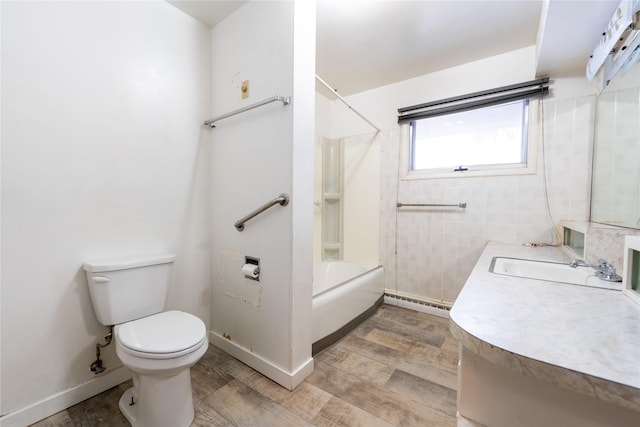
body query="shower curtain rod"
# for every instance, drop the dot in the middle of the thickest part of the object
(344, 101)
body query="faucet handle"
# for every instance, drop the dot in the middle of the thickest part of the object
(605, 267)
(607, 272)
(609, 269)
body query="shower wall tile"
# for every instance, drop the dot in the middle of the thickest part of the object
(437, 248)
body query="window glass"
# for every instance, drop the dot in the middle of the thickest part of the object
(474, 139)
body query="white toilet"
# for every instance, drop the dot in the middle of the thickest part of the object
(158, 347)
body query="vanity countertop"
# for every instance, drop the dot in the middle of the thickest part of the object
(580, 338)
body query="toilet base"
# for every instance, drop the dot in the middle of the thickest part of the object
(124, 403)
(159, 401)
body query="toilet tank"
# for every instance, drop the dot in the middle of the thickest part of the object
(128, 288)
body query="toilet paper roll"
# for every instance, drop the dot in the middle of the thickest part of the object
(250, 270)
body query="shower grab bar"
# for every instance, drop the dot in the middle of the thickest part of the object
(282, 200)
(462, 205)
(284, 99)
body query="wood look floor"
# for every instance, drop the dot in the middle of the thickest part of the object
(398, 368)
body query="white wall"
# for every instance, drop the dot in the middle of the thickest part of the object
(256, 156)
(437, 249)
(103, 154)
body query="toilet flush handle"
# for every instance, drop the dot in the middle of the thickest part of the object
(100, 279)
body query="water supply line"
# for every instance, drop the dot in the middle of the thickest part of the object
(96, 366)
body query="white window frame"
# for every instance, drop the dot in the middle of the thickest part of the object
(528, 168)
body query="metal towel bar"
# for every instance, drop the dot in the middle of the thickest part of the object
(282, 200)
(455, 205)
(284, 99)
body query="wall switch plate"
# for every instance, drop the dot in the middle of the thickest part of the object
(245, 89)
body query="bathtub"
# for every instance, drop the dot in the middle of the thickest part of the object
(344, 294)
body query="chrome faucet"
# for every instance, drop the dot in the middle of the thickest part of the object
(604, 270)
(580, 263)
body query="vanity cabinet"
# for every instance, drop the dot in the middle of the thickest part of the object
(541, 353)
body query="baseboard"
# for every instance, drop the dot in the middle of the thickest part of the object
(64, 399)
(464, 422)
(288, 380)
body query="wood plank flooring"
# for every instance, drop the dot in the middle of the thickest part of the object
(398, 368)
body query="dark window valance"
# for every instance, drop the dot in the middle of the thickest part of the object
(527, 90)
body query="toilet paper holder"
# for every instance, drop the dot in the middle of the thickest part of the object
(251, 268)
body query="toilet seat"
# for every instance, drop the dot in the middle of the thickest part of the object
(165, 335)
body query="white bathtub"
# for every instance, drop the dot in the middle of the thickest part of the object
(342, 291)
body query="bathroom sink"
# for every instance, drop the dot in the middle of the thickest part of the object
(549, 272)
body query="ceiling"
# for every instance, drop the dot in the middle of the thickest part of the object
(211, 12)
(364, 44)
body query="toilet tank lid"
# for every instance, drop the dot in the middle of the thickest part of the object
(121, 263)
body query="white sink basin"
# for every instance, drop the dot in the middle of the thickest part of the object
(550, 272)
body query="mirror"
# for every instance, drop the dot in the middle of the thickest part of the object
(615, 189)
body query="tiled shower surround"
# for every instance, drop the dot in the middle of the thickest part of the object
(438, 247)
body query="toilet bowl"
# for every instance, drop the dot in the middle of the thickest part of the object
(160, 350)
(159, 347)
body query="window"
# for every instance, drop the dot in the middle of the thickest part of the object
(471, 140)
(482, 133)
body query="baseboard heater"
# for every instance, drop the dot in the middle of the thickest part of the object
(433, 304)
